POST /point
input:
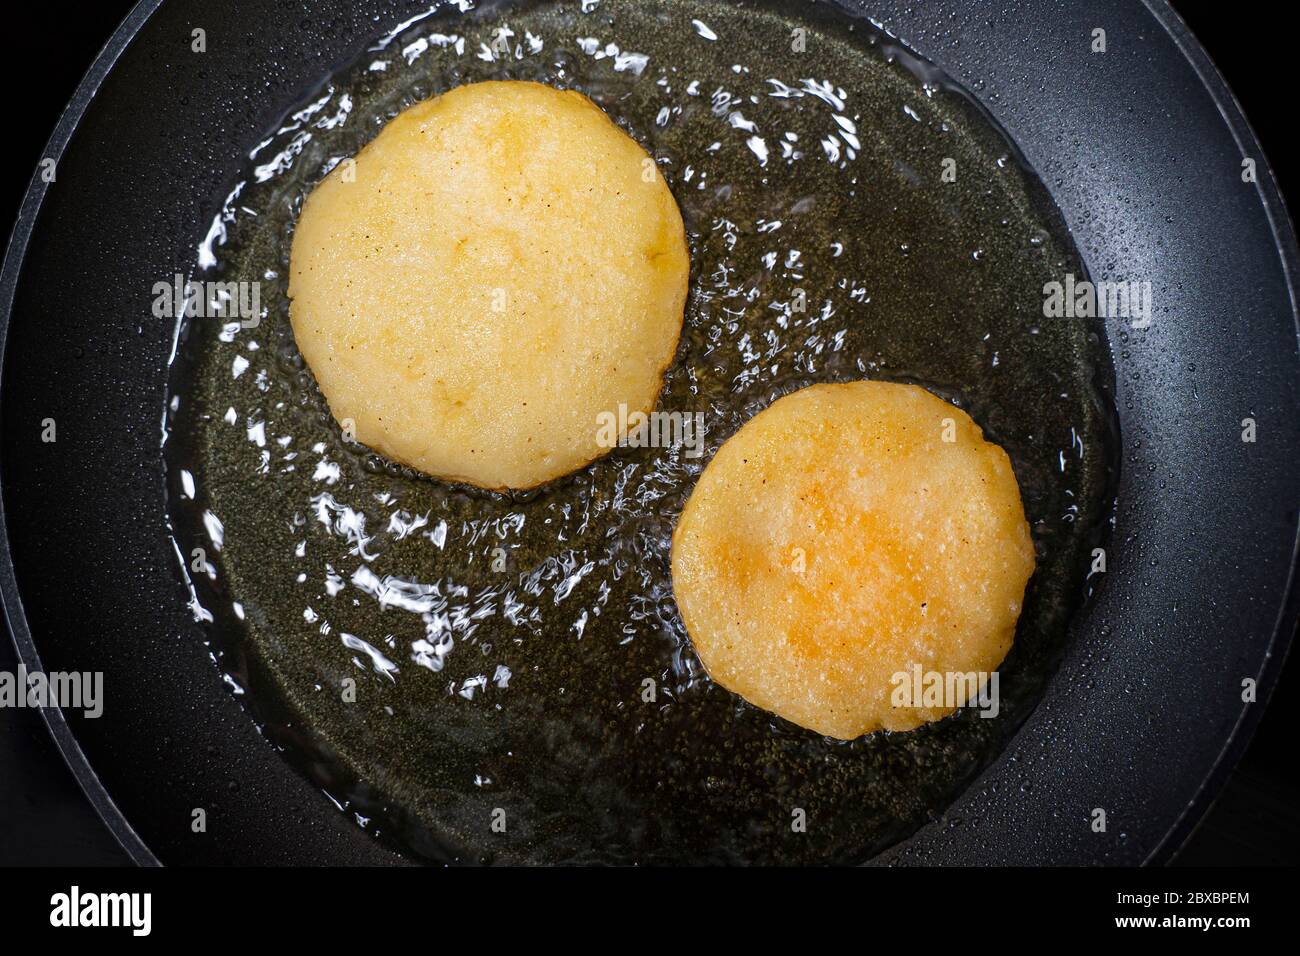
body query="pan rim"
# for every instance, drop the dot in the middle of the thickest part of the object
(1284, 240)
(11, 605)
(1287, 621)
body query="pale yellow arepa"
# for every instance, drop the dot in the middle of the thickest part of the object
(845, 535)
(501, 266)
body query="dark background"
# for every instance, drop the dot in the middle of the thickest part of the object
(45, 820)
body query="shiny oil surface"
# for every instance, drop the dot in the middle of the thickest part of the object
(524, 689)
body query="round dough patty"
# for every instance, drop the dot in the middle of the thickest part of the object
(837, 540)
(498, 269)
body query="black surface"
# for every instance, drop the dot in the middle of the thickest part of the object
(1255, 818)
(45, 819)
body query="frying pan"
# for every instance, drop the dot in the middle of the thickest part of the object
(1142, 150)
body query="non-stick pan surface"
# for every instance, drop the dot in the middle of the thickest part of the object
(1142, 149)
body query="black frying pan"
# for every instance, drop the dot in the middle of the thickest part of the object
(1141, 150)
